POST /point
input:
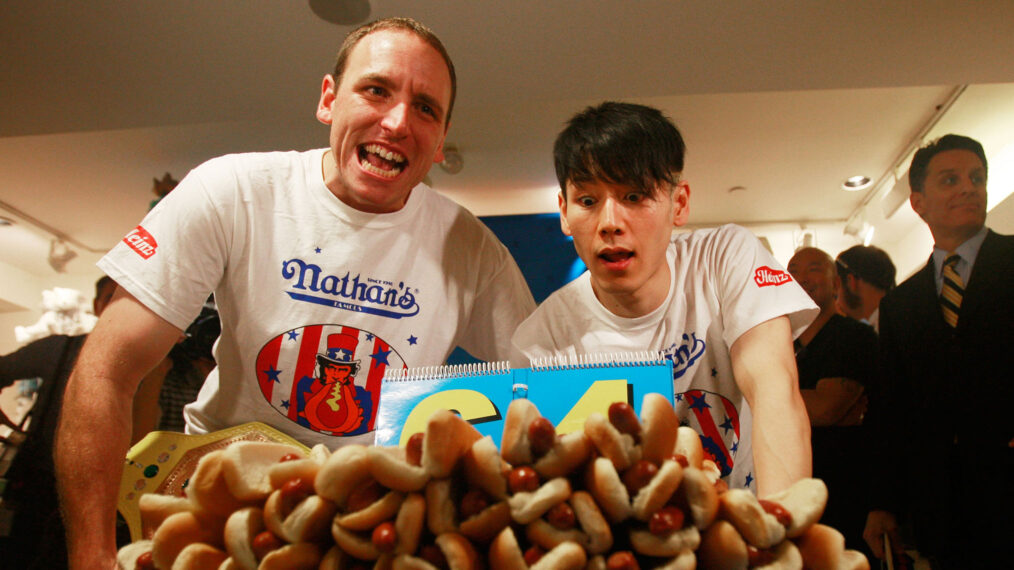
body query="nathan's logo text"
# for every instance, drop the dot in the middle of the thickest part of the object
(308, 283)
(765, 276)
(141, 241)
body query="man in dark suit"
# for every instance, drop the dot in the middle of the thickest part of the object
(946, 363)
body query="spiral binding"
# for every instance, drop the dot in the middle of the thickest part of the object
(603, 360)
(447, 371)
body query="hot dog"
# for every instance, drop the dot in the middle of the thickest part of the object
(530, 439)
(647, 500)
(505, 554)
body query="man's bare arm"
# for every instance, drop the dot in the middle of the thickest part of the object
(765, 371)
(95, 423)
(831, 399)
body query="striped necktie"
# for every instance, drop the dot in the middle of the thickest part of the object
(952, 290)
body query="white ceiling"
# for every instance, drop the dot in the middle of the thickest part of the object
(783, 98)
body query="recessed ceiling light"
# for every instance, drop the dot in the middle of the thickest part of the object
(854, 183)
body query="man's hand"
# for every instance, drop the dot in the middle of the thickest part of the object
(856, 414)
(832, 402)
(877, 524)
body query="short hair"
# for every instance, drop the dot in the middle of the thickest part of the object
(620, 143)
(404, 24)
(101, 284)
(920, 162)
(869, 263)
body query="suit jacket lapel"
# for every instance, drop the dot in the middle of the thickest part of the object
(981, 280)
(925, 301)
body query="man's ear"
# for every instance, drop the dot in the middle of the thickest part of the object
(564, 226)
(915, 199)
(681, 203)
(327, 95)
(439, 156)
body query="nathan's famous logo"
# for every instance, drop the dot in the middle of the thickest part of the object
(352, 293)
(141, 241)
(765, 276)
(326, 377)
(684, 355)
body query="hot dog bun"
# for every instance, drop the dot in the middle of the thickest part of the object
(126, 556)
(805, 501)
(688, 444)
(668, 545)
(179, 531)
(658, 491)
(343, 472)
(610, 443)
(698, 492)
(199, 556)
(447, 438)
(240, 530)
(514, 445)
(459, 552)
(389, 466)
(245, 466)
(659, 428)
(528, 506)
(603, 482)
(155, 508)
(298, 556)
(306, 521)
(208, 489)
(744, 511)
(722, 548)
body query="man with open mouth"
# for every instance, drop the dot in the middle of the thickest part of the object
(714, 301)
(298, 248)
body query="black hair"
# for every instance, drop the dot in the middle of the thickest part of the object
(869, 263)
(920, 162)
(101, 284)
(620, 143)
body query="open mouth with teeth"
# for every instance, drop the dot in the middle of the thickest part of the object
(380, 161)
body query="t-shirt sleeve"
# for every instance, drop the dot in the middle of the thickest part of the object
(754, 287)
(503, 300)
(177, 255)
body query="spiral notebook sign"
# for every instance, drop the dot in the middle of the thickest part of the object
(565, 389)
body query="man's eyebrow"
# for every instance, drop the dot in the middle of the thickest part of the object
(384, 81)
(431, 101)
(375, 78)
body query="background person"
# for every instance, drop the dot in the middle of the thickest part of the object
(867, 274)
(946, 360)
(35, 538)
(836, 359)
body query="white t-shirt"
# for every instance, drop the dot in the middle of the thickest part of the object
(723, 284)
(310, 290)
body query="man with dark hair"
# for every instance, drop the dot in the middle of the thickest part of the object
(946, 361)
(297, 247)
(867, 274)
(714, 301)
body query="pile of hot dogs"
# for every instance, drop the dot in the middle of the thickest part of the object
(621, 494)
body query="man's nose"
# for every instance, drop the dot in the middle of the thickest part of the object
(610, 217)
(395, 120)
